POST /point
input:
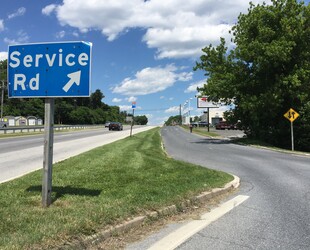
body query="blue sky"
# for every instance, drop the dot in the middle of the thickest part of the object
(143, 51)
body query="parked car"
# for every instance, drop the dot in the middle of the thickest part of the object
(223, 125)
(115, 126)
(226, 125)
(4, 124)
(199, 124)
(106, 125)
(203, 124)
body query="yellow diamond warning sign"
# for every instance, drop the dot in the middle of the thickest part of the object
(291, 115)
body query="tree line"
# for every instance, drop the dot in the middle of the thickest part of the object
(266, 73)
(79, 110)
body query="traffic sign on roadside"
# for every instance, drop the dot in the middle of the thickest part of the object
(291, 115)
(49, 70)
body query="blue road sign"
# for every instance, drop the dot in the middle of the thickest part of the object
(49, 70)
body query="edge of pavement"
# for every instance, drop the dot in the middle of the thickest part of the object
(275, 149)
(93, 240)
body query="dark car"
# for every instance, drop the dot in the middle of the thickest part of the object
(115, 126)
(222, 125)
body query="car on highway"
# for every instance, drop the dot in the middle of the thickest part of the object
(106, 125)
(115, 126)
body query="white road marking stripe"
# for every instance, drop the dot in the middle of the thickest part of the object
(179, 236)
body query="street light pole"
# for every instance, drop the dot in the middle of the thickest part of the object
(189, 109)
(2, 93)
(2, 99)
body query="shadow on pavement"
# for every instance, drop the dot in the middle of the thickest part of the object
(213, 141)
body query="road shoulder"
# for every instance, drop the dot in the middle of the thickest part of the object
(114, 237)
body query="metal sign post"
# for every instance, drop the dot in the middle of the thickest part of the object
(48, 152)
(291, 115)
(292, 136)
(133, 116)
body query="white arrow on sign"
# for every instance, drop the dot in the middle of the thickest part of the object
(75, 77)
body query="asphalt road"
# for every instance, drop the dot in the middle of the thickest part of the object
(21, 155)
(277, 213)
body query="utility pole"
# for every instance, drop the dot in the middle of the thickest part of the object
(2, 94)
(180, 115)
(2, 99)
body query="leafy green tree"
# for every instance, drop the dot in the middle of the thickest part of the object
(95, 99)
(267, 72)
(81, 115)
(62, 111)
(141, 120)
(33, 106)
(173, 120)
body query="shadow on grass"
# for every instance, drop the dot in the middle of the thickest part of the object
(58, 192)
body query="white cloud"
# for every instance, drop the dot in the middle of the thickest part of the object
(175, 109)
(75, 33)
(193, 86)
(22, 37)
(60, 34)
(116, 100)
(47, 10)
(127, 107)
(3, 56)
(151, 80)
(176, 28)
(149, 116)
(131, 99)
(1, 25)
(20, 12)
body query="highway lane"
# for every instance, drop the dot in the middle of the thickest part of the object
(277, 213)
(28, 141)
(21, 155)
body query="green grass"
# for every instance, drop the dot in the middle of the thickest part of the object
(258, 143)
(98, 188)
(201, 131)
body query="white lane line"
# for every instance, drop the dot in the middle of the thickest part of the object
(179, 236)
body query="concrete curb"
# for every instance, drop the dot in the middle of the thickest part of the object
(138, 221)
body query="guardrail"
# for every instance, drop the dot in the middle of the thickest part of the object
(28, 129)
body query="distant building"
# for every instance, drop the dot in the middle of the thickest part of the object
(32, 120)
(20, 121)
(10, 120)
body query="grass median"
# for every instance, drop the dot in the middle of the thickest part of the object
(96, 189)
(201, 131)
